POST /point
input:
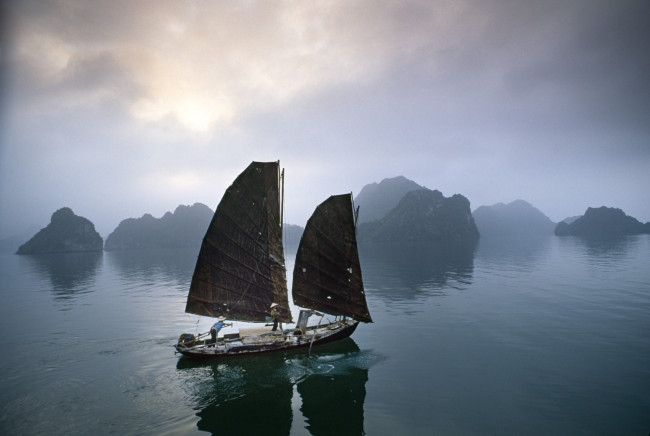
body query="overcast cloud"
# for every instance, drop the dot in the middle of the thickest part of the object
(120, 108)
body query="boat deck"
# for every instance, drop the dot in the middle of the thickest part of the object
(263, 339)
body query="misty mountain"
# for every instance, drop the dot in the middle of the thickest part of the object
(570, 219)
(424, 215)
(292, 235)
(603, 221)
(10, 244)
(66, 233)
(377, 199)
(516, 219)
(185, 227)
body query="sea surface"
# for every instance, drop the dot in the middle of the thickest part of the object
(547, 336)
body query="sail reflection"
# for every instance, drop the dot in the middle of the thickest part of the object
(410, 270)
(70, 274)
(247, 396)
(334, 395)
(257, 394)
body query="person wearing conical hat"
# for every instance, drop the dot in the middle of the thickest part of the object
(275, 314)
(216, 327)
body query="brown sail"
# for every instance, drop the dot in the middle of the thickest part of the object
(327, 273)
(240, 270)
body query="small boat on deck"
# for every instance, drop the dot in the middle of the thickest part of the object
(240, 271)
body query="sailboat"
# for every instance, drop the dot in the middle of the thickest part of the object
(240, 271)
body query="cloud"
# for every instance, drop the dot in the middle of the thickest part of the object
(156, 103)
(198, 63)
(204, 65)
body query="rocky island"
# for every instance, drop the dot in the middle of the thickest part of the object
(601, 222)
(424, 215)
(185, 227)
(377, 199)
(66, 233)
(516, 219)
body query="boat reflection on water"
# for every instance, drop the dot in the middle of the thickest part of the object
(332, 402)
(241, 395)
(277, 393)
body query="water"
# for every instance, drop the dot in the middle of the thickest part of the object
(549, 336)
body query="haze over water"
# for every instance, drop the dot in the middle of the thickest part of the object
(546, 336)
(531, 99)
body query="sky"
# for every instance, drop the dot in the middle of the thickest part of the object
(120, 108)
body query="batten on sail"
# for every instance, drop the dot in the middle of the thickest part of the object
(327, 272)
(240, 270)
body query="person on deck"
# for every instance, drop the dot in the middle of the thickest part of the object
(216, 327)
(275, 314)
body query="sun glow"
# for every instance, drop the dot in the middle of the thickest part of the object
(204, 66)
(174, 182)
(198, 114)
(181, 93)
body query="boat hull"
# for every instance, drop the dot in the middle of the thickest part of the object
(280, 342)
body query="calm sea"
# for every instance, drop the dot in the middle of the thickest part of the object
(542, 337)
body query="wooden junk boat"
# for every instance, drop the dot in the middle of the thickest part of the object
(240, 270)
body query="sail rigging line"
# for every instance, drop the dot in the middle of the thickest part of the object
(229, 290)
(327, 273)
(237, 243)
(257, 270)
(314, 335)
(281, 181)
(257, 243)
(241, 269)
(257, 263)
(248, 286)
(236, 224)
(245, 211)
(332, 244)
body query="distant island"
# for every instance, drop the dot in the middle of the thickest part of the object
(515, 219)
(394, 210)
(424, 215)
(66, 233)
(602, 221)
(292, 235)
(185, 227)
(570, 219)
(10, 244)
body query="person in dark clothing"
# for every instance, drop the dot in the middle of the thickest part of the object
(275, 314)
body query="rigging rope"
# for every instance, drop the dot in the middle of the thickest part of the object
(314, 336)
(257, 270)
